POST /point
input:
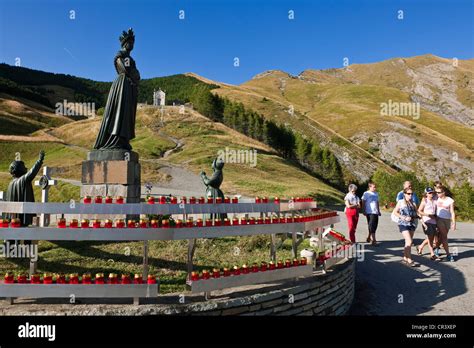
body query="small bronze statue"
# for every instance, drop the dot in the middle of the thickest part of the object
(118, 124)
(20, 188)
(214, 182)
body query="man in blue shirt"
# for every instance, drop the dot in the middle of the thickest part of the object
(414, 197)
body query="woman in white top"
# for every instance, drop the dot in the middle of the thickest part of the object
(427, 211)
(352, 211)
(445, 220)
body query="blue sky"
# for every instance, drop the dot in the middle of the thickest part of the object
(214, 32)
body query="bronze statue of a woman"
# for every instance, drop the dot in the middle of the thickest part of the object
(118, 124)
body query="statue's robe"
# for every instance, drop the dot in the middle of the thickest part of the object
(213, 186)
(118, 123)
(21, 190)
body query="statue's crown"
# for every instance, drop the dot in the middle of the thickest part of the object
(127, 36)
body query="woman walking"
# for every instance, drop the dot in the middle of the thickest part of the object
(427, 211)
(352, 211)
(446, 220)
(371, 209)
(405, 210)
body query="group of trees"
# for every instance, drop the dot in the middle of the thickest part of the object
(389, 185)
(290, 145)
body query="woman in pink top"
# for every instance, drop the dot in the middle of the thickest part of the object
(427, 210)
(445, 220)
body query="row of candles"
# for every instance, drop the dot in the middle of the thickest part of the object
(236, 270)
(178, 223)
(73, 278)
(191, 200)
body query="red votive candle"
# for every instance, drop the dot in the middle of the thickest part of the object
(85, 223)
(189, 222)
(296, 262)
(218, 222)
(206, 274)
(184, 200)
(73, 278)
(174, 200)
(165, 223)
(271, 266)
(151, 279)
(210, 200)
(154, 223)
(120, 223)
(218, 200)
(280, 264)
(194, 276)
(87, 200)
(108, 223)
(260, 221)
(201, 200)
(208, 222)
(258, 200)
(86, 278)
(96, 224)
(150, 200)
(137, 279)
(276, 200)
(21, 279)
(126, 279)
(303, 261)
(60, 279)
(109, 200)
(236, 270)
(131, 224)
(47, 278)
(119, 200)
(245, 269)
(226, 199)
(16, 223)
(264, 199)
(226, 272)
(74, 223)
(226, 222)
(287, 263)
(98, 199)
(255, 267)
(99, 278)
(235, 221)
(243, 221)
(282, 219)
(235, 199)
(216, 273)
(9, 278)
(263, 266)
(252, 221)
(178, 223)
(62, 223)
(143, 223)
(192, 200)
(4, 223)
(267, 220)
(162, 199)
(35, 279)
(113, 278)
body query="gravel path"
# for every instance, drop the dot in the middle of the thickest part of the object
(384, 286)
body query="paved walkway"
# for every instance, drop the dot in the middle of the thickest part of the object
(385, 286)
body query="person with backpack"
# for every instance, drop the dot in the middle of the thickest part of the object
(427, 211)
(407, 215)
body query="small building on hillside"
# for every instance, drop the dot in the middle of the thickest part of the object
(159, 97)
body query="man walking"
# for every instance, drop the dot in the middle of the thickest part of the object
(371, 210)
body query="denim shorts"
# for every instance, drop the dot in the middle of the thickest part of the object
(402, 228)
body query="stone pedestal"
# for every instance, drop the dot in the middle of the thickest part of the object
(112, 173)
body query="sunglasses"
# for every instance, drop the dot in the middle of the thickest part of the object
(429, 193)
(409, 193)
(439, 192)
